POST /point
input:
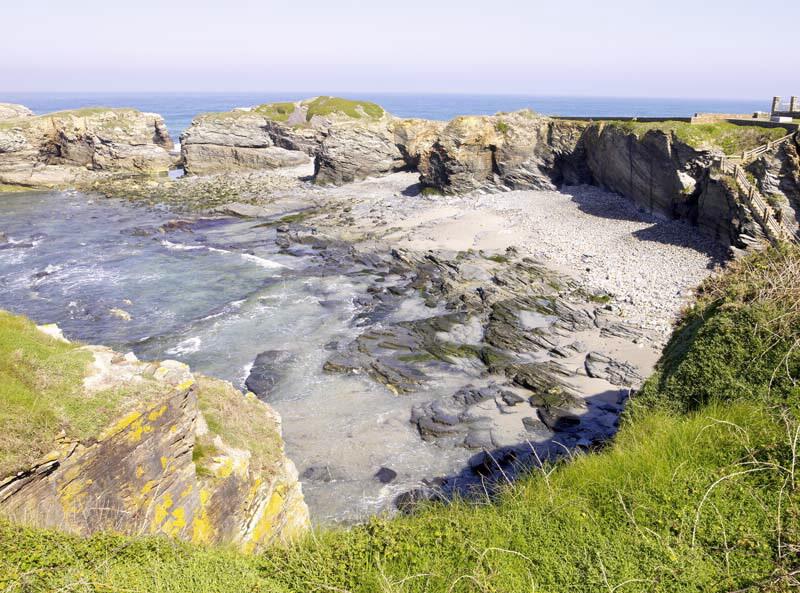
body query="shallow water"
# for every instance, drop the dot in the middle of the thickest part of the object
(215, 294)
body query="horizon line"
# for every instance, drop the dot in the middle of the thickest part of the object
(404, 93)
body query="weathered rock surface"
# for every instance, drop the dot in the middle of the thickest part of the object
(237, 140)
(518, 150)
(353, 138)
(656, 170)
(267, 370)
(777, 175)
(356, 150)
(63, 148)
(13, 111)
(189, 457)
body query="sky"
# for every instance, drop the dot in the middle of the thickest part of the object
(642, 48)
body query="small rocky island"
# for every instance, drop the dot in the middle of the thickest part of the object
(512, 278)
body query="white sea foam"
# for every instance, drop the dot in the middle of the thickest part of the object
(263, 262)
(187, 346)
(180, 246)
(260, 261)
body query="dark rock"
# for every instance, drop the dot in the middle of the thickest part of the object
(386, 475)
(320, 473)
(267, 370)
(558, 420)
(510, 398)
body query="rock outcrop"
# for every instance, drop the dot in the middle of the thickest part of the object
(356, 150)
(654, 169)
(14, 111)
(188, 457)
(64, 148)
(518, 150)
(238, 140)
(777, 175)
(352, 137)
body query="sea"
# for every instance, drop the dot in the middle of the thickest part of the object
(178, 109)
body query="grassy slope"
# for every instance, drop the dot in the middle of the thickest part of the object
(731, 138)
(37, 371)
(697, 493)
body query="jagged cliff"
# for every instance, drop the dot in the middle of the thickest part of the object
(140, 448)
(64, 148)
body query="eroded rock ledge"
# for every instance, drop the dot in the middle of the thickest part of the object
(68, 147)
(188, 456)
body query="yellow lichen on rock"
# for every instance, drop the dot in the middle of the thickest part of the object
(161, 466)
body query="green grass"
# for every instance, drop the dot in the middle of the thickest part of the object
(642, 513)
(731, 138)
(5, 188)
(241, 422)
(41, 394)
(741, 340)
(40, 380)
(324, 106)
(698, 493)
(276, 111)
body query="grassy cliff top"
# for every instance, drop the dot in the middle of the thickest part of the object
(325, 106)
(730, 138)
(243, 422)
(41, 394)
(697, 496)
(42, 398)
(317, 106)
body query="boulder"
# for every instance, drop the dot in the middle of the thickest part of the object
(267, 370)
(63, 148)
(187, 456)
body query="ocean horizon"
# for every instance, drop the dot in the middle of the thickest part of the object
(178, 109)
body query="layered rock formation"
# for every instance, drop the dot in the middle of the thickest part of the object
(777, 175)
(517, 150)
(654, 169)
(61, 148)
(238, 140)
(352, 138)
(187, 456)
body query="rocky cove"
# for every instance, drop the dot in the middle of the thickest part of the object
(423, 306)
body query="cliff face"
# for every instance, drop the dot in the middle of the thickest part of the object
(60, 148)
(777, 175)
(518, 150)
(349, 139)
(238, 140)
(654, 169)
(184, 456)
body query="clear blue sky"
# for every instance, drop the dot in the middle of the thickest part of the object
(683, 48)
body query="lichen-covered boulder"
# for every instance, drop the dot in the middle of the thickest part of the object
(185, 456)
(62, 148)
